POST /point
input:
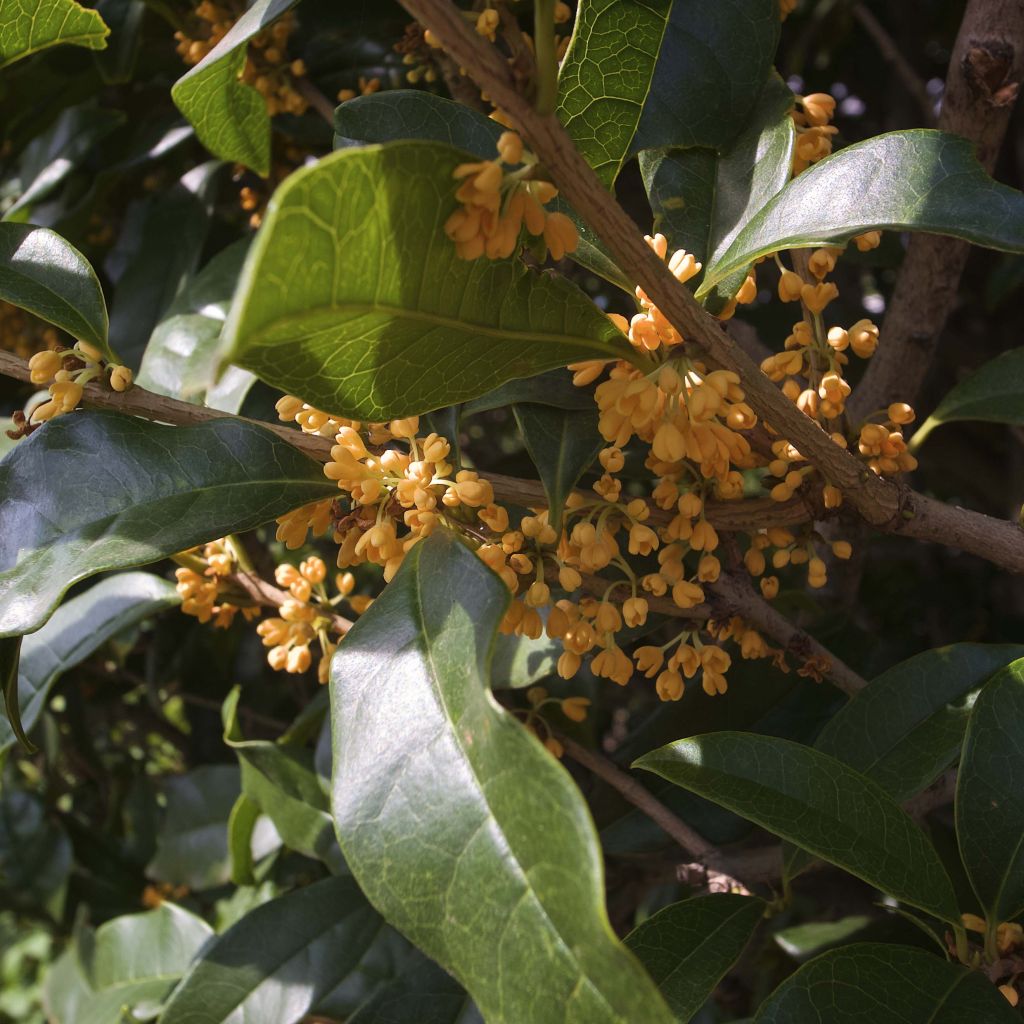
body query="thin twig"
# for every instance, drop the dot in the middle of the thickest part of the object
(889, 49)
(314, 97)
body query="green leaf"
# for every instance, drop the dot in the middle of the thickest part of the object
(562, 444)
(818, 803)
(158, 943)
(279, 960)
(27, 26)
(907, 725)
(519, 661)
(869, 983)
(918, 180)
(439, 796)
(645, 73)
(10, 655)
(141, 491)
(363, 308)
(230, 117)
(41, 272)
(990, 795)
(136, 959)
(241, 827)
(35, 854)
(992, 394)
(157, 271)
(554, 388)
(181, 356)
(411, 114)
(192, 844)
(65, 990)
(701, 199)
(79, 627)
(51, 156)
(802, 941)
(688, 946)
(422, 994)
(282, 781)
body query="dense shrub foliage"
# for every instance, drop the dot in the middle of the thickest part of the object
(476, 541)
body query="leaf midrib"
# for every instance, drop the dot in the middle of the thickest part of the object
(424, 635)
(360, 309)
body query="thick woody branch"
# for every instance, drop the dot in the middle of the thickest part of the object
(982, 84)
(875, 499)
(881, 503)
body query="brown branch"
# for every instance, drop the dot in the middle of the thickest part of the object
(877, 500)
(267, 595)
(314, 97)
(881, 503)
(890, 50)
(714, 864)
(984, 76)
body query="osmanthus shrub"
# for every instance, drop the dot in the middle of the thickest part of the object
(336, 330)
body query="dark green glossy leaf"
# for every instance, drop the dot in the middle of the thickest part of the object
(156, 272)
(423, 994)
(274, 964)
(871, 983)
(816, 802)
(990, 795)
(562, 444)
(688, 946)
(554, 388)
(35, 854)
(192, 844)
(41, 272)
(645, 73)
(916, 180)
(363, 308)
(906, 726)
(411, 114)
(701, 199)
(77, 628)
(439, 797)
(116, 64)
(993, 394)
(32, 25)
(229, 116)
(181, 357)
(51, 156)
(282, 781)
(93, 491)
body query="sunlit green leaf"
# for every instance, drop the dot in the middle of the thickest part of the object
(918, 180)
(411, 114)
(27, 26)
(364, 309)
(462, 831)
(229, 116)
